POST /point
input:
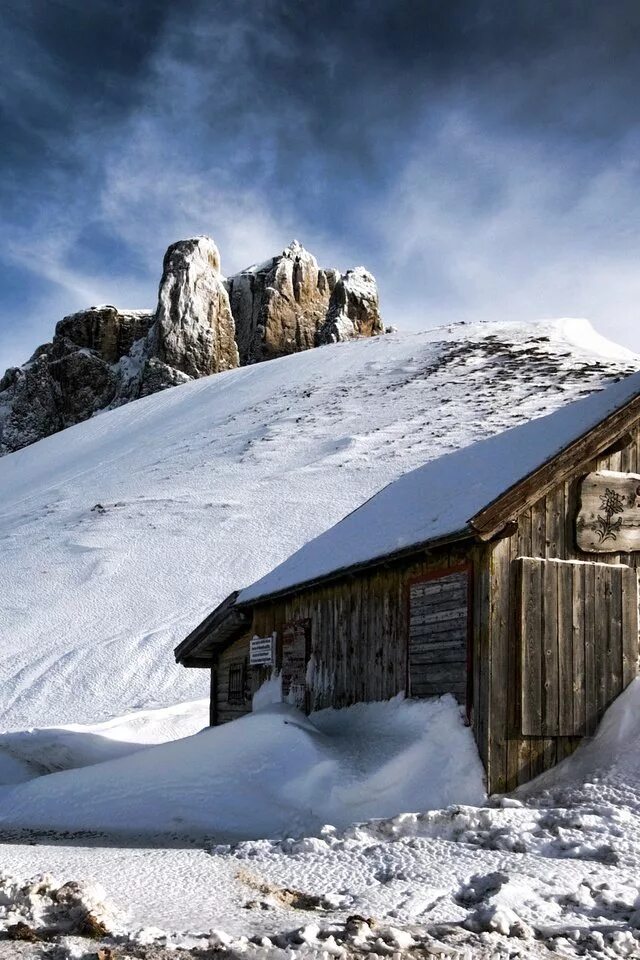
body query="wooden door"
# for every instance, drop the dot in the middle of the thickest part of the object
(438, 635)
(577, 627)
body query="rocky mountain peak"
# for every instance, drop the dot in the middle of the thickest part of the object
(194, 331)
(353, 308)
(295, 249)
(105, 329)
(285, 305)
(103, 356)
(195, 252)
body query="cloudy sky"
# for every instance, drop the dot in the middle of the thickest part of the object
(481, 158)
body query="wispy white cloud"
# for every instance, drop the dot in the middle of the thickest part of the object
(482, 225)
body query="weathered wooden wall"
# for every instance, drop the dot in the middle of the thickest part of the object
(359, 629)
(546, 530)
(578, 641)
(238, 652)
(359, 632)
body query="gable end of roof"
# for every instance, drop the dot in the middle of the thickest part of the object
(224, 625)
(595, 441)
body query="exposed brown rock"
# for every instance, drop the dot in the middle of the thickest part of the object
(194, 330)
(22, 931)
(288, 304)
(354, 309)
(90, 926)
(107, 330)
(279, 305)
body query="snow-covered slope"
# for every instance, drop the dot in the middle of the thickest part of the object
(118, 535)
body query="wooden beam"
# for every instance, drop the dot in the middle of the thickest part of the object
(489, 521)
(220, 628)
(213, 696)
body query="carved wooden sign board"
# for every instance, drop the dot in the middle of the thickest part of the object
(608, 519)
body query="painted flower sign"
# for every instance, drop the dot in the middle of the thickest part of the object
(609, 516)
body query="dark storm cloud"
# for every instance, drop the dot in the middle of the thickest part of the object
(479, 156)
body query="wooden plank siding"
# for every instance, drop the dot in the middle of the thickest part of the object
(359, 634)
(546, 530)
(544, 637)
(360, 629)
(237, 653)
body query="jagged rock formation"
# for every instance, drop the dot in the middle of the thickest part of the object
(203, 324)
(69, 379)
(353, 308)
(105, 330)
(287, 304)
(194, 330)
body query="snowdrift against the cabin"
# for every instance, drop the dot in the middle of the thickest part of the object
(275, 773)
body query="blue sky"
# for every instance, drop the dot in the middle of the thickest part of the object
(481, 158)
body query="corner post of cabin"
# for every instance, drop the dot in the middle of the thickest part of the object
(213, 694)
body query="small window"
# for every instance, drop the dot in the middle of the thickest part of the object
(237, 681)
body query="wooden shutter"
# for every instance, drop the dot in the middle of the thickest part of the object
(577, 626)
(438, 627)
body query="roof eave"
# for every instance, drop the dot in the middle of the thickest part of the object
(595, 441)
(465, 533)
(216, 631)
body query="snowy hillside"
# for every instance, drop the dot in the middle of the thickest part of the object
(118, 535)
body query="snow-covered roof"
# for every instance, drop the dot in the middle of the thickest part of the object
(437, 500)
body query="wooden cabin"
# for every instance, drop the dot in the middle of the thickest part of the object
(503, 573)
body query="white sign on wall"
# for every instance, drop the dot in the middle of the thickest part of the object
(261, 651)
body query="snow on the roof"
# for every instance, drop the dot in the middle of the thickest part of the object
(439, 498)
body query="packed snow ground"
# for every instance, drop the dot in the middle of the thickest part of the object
(556, 868)
(118, 535)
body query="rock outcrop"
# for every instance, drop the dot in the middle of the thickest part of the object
(353, 309)
(194, 330)
(69, 379)
(106, 330)
(203, 324)
(287, 304)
